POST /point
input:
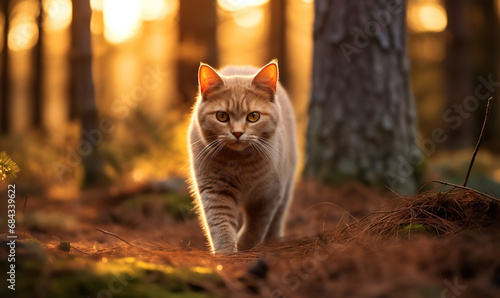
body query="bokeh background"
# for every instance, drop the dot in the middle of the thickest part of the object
(95, 99)
(451, 44)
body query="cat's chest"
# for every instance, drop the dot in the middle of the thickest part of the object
(245, 165)
(244, 170)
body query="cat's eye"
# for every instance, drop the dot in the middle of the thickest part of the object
(253, 116)
(222, 116)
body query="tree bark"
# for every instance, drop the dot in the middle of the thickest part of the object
(457, 72)
(83, 100)
(197, 30)
(485, 45)
(362, 119)
(4, 104)
(38, 76)
(277, 38)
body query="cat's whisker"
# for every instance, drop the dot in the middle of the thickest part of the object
(222, 144)
(200, 154)
(204, 150)
(254, 146)
(209, 153)
(279, 161)
(271, 156)
(192, 144)
(214, 151)
(272, 145)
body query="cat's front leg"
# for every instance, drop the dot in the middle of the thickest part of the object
(257, 219)
(221, 220)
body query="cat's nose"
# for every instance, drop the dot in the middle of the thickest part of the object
(237, 134)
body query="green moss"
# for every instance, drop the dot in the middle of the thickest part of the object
(179, 205)
(43, 221)
(415, 229)
(126, 277)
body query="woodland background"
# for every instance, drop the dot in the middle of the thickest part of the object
(450, 45)
(95, 99)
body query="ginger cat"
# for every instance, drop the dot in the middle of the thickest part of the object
(243, 155)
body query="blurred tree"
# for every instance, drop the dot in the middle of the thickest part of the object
(82, 91)
(458, 83)
(277, 38)
(38, 67)
(4, 104)
(483, 20)
(362, 119)
(197, 30)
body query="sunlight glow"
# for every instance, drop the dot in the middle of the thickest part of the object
(59, 14)
(96, 5)
(153, 9)
(202, 270)
(433, 18)
(249, 18)
(23, 33)
(121, 19)
(235, 5)
(430, 17)
(138, 175)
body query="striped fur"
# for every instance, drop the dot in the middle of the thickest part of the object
(252, 177)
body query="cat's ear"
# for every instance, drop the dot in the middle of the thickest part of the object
(208, 78)
(267, 77)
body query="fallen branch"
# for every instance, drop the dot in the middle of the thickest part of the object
(78, 249)
(114, 235)
(466, 188)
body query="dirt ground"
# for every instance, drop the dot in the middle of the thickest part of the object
(349, 241)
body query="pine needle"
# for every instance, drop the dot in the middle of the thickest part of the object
(8, 168)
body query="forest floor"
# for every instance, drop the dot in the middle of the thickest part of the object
(349, 241)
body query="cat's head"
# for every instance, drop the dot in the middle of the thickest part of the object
(238, 110)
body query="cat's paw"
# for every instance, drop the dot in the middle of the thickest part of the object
(228, 249)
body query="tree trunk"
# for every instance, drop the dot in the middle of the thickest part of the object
(485, 45)
(38, 76)
(197, 34)
(362, 119)
(457, 72)
(5, 88)
(83, 90)
(277, 38)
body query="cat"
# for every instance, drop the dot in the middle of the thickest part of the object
(243, 155)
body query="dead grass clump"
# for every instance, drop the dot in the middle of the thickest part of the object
(435, 213)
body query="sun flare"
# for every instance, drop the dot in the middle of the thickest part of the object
(59, 14)
(235, 5)
(429, 17)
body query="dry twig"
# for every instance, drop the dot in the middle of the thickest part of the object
(481, 136)
(114, 235)
(466, 188)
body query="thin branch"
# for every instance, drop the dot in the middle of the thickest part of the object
(466, 188)
(114, 235)
(481, 136)
(78, 249)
